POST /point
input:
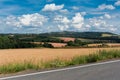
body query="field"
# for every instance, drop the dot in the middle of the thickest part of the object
(58, 45)
(66, 39)
(20, 55)
(108, 44)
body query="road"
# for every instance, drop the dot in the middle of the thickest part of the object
(98, 71)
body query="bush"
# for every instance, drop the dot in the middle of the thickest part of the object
(47, 45)
(76, 43)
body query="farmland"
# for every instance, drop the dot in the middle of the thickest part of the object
(34, 59)
(51, 40)
(44, 54)
(20, 52)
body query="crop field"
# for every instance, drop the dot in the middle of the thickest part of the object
(66, 39)
(108, 44)
(44, 54)
(58, 44)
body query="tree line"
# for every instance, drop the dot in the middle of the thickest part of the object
(7, 42)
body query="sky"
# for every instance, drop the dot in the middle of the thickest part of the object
(41, 16)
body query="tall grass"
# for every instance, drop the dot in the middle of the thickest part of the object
(57, 63)
(16, 67)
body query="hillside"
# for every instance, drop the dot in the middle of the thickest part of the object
(79, 34)
(29, 40)
(53, 36)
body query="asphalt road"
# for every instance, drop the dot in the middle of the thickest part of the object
(102, 71)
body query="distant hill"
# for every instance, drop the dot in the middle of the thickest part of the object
(79, 34)
(53, 36)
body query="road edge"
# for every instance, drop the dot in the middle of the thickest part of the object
(63, 69)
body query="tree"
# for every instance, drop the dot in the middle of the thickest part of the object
(76, 43)
(47, 45)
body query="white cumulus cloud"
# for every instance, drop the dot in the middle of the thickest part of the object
(63, 23)
(104, 6)
(34, 20)
(61, 19)
(52, 7)
(63, 27)
(77, 21)
(12, 21)
(107, 16)
(101, 24)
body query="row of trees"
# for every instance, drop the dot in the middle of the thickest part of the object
(7, 42)
(76, 43)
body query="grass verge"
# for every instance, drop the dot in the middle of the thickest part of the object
(58, 63)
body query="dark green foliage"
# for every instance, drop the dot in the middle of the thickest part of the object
(97, 36)
(47, 45)
(39, 38)
(76, 43)
(25, 40)
(7, 42)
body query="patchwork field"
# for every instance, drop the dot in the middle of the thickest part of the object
(20, 55)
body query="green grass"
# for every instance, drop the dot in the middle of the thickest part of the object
(16, 67)
(58, 63)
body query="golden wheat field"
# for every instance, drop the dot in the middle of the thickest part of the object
(20, 55)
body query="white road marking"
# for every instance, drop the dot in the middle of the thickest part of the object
(70, 68)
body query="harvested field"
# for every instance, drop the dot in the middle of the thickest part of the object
(57, 45)
(20, 55)
(94, 45)
(67, 39)
(113, 45)
(108, 44)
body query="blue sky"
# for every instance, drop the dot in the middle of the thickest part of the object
(39, 16)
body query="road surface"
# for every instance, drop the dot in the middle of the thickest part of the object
(98, 71)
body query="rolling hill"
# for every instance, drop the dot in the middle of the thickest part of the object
(79, 34)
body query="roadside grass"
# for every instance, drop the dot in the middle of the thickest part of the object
(59, 63)
(17, 67)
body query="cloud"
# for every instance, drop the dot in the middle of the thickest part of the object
(52, 7)
(61, 19)
(12, 21)
(34, 20)
(107, 16)
(65, 11)
(104, 6)
(101, 23)
(77, 21)
(96, 22)
(83, 13)
(75, 8)
(117, 3)
(63, 23)
(63, 27)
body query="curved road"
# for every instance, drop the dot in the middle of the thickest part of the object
(98, 71)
